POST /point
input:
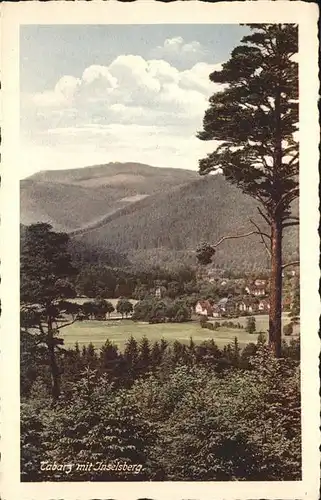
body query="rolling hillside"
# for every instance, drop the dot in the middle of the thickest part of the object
(154, 215)
(71, 199)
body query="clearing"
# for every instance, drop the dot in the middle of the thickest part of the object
(118, 332)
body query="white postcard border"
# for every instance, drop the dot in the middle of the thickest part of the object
(145, 12)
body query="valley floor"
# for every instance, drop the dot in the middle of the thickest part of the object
(118, 332)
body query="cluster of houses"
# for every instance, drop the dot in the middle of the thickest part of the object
(253, 298)
(255, 301)
(228, 307)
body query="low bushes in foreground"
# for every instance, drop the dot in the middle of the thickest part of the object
(181, 420)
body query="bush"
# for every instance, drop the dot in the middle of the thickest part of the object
(251, 325)
(288, 329)
(230, 324)
(197, 417)
(210, 326)
(95, 424)
(225, 428)
(203, 320)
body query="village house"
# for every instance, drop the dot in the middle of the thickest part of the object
(226, 306)
(264, 305)
(260, 282)
(256, 290)
(248, 305)
(204, 308)
(244, 307)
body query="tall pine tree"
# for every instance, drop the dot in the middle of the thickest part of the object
(254, 117)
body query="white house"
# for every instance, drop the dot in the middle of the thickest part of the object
(264, 305)
(259, 282)
(245, 307)
(257, 291)
(248, 304)
(204, 308)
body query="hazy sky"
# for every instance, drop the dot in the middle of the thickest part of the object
(94, 94)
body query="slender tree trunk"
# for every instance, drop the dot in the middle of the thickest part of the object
(275, 317)
(275, 324)
(54, 369)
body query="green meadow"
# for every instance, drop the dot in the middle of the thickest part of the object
(118, 332)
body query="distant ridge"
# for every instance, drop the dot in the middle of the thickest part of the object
(73, 198)
(151, 214)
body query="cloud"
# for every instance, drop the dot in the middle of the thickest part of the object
(130, 83)
(176, 47)
(133, 109)
(197, 78)
(62, 95)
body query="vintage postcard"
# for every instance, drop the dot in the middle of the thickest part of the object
(160, 250)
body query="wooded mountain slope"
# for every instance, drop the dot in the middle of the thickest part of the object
(70, 199)
(165, 215)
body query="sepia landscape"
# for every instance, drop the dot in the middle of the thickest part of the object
(160, 305)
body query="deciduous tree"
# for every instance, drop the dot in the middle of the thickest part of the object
(45, 284)
(250, 324)
(124, 307)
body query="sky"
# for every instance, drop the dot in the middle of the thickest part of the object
(93, 94)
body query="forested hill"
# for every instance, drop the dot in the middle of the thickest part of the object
(71, 199)
(154, 215)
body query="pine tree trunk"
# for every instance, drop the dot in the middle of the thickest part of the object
(54, 369)
(275, 317)
(275, 323)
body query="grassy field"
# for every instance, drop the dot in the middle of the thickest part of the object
(119, 331)
(261, 320)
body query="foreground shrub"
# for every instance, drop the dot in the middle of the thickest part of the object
(243, 426)
(185, 421)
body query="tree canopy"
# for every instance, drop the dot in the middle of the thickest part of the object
(254, 119)
(45, 265)
(46, 281)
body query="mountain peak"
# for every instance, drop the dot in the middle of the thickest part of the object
(142, 211)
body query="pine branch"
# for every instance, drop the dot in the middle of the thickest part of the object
(293, 159)
(262, 237)
(265, 217)
(291, 224)
(41, 328)
(67, 324)
(294, 263)
(292, 217)
(288, 176)
(35, 327)
(267, 167)
(231, 237)
(292, 192)
(288, 197)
